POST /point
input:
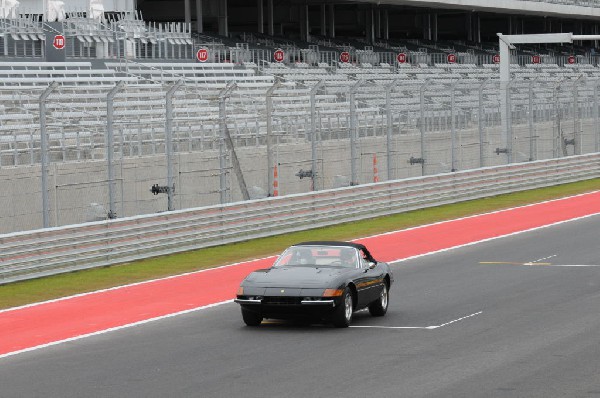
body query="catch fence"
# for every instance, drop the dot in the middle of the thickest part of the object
(113, 151)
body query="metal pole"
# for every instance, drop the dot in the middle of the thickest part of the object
(270, 165)
(223, 95)
(270, 24)
(199, 17)
(558, 138)
(313, 131)
(169, 143)
(44, 148)
(353, 131)
(222, 149)
(532, 141)
(390, 123)
(505, 81)
(509, 135)
(481, 117)
(505, 48)
(260, 16)
(577, 117)
(422, 125)
(109, 148)
(596, 119)
(453, 125)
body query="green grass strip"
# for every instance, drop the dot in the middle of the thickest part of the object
(26, 292)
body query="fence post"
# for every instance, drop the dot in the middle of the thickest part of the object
(269, 99)
(577, 134)
(453, 124)
(596, 121)
(558, 139)
(532, 140)
(313, 131)
(390, 123)
(480, 118)
(223, 95)
(353, 131)
(509, 134)
(44, 148)
(169, 143)
(109, 148)
(422, 123)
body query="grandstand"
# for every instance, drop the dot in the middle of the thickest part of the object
(247, 102)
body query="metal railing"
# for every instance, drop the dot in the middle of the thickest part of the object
(57, 250)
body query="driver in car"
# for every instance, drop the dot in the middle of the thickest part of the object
(348, 257)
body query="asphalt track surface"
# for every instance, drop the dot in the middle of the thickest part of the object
(510, 317)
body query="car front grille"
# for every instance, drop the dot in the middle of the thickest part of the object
(280, 300)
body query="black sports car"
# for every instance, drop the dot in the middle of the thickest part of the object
(317, 281)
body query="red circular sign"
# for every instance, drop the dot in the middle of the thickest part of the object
(536, 59)
(59, 42)
(345, 56)
(202, 55)
(401, 58)
(571, 59)
(451, 58)
(496, 59)
(279, 55)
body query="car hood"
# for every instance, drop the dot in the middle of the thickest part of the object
(297, 276)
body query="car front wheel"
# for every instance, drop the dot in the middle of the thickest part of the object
(379, 307)
(342, 315)
(251, 318)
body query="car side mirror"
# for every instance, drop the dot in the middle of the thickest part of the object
(372, 265)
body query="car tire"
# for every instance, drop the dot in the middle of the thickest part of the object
(379, 307)
(251, 318)
(342, 315)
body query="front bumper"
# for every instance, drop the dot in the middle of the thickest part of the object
(289, 307)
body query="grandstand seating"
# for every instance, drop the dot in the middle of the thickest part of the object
(76, 113)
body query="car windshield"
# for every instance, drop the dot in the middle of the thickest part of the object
(319, 255)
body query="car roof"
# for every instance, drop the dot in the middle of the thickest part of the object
(358, 246)
(332, 243)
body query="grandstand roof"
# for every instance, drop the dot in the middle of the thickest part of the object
(579, 9)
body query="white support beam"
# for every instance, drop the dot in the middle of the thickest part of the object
(507, 43)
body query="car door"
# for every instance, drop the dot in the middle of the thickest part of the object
(373, 281)
(368, 283)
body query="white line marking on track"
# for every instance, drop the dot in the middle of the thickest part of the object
(545, 258)
(114, 329)
(539, 260)
(573, 265)
(392, 327)
(459, 319)
(418, 327)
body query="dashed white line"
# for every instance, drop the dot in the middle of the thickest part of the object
(418, 327)
(459, 319)
(539, 260)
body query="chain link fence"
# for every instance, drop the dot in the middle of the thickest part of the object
(74, 154)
